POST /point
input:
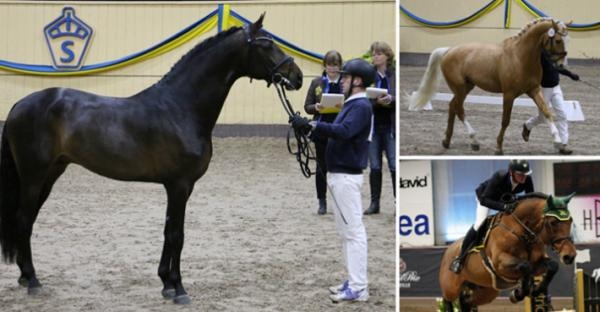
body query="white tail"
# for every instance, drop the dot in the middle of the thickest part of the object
(429, 82)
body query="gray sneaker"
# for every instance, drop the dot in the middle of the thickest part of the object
(338, 288)
(350, 295)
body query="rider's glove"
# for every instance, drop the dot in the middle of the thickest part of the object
(509, 207)
(301, 124)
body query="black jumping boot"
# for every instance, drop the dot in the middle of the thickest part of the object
(322, 206)
(457, 264)
(375, 184)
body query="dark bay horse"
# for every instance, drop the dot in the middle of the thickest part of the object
(512, 68)
(515, 252)
(161, 135)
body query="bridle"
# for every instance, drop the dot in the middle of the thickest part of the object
(555, 56)
(272, 72)
(530, 237)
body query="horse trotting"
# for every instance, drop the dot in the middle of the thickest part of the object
(514, 253)
(512, 68)
(161, 135)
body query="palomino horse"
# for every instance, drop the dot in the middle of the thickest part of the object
(512, 68)
(161, 135)
(513, 254)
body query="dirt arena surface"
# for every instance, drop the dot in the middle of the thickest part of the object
(501, 304)
(421, 132)
(253, 241)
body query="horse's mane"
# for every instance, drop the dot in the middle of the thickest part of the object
(205, 45)
(528, 26)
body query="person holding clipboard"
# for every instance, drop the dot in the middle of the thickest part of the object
(384, 114)
(327, 83)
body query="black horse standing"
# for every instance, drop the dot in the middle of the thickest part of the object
(162, 135)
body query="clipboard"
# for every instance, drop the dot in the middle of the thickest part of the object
(373, 93)
(329, 102)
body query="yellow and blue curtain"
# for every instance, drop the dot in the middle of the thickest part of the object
(222, 18)
(537, 13)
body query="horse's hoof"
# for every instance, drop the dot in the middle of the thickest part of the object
(182, 299)
(475, 147)
(446, 144)
(23, 282)
(34, 291)
(168, 293)
(515, 296)
(499, 153)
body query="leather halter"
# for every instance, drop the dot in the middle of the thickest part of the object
(272, 71)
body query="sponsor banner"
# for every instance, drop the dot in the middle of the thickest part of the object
(586, 218)
(416, 203)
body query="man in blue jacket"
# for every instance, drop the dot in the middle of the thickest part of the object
(347, 156)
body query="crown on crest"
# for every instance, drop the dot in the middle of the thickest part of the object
(67, 38)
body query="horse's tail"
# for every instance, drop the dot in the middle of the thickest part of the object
(9, 200)
(429, 82)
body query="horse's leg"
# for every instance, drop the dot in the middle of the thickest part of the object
(448, 306)
(30, 209)
(484, 295)
(460, 112)
(551, 269)
(538, 98)
(453, 107)
(526, 282)
(177, 196)
(506, 111)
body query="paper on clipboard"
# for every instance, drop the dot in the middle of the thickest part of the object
(373, 93)
(331, 103)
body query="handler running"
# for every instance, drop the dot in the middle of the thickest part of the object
(553, 96)
(346, 156)
(515, 180)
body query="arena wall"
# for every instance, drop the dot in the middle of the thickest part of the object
(489, 27)
(123, 28)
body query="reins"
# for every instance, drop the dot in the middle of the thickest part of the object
(304, 153)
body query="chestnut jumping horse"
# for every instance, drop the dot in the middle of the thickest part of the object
(514, 252)
(512, 68)
(161, 135)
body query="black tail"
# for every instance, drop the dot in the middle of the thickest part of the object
(9, 201)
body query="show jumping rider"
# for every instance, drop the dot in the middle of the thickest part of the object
(515, 180)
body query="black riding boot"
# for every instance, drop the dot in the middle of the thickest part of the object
(393, 174)
(375, 184)
(457, 263)
(322, 206)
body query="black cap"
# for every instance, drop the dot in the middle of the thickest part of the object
(360, 68)
(520, 166)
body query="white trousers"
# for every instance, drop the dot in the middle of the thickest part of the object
(482, 213)
(347, 211)
(554, 98)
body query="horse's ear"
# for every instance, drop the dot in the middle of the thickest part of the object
(550, 202)
(256, 26)
(569, 23)
(568, 199)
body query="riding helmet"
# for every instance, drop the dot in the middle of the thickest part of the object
(360, 68)
(520, 166)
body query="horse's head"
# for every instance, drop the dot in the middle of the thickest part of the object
(554, 42)
(267, 61)
(557, 227)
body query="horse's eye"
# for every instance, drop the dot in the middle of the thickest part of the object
(559, 41)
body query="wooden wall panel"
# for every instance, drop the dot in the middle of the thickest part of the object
(123, 28)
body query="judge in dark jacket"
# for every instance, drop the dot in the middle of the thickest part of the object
(328, 82)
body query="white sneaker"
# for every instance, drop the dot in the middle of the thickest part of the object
(352, 296)
(338, 288)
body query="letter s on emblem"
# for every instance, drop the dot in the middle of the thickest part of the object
(70, 54)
